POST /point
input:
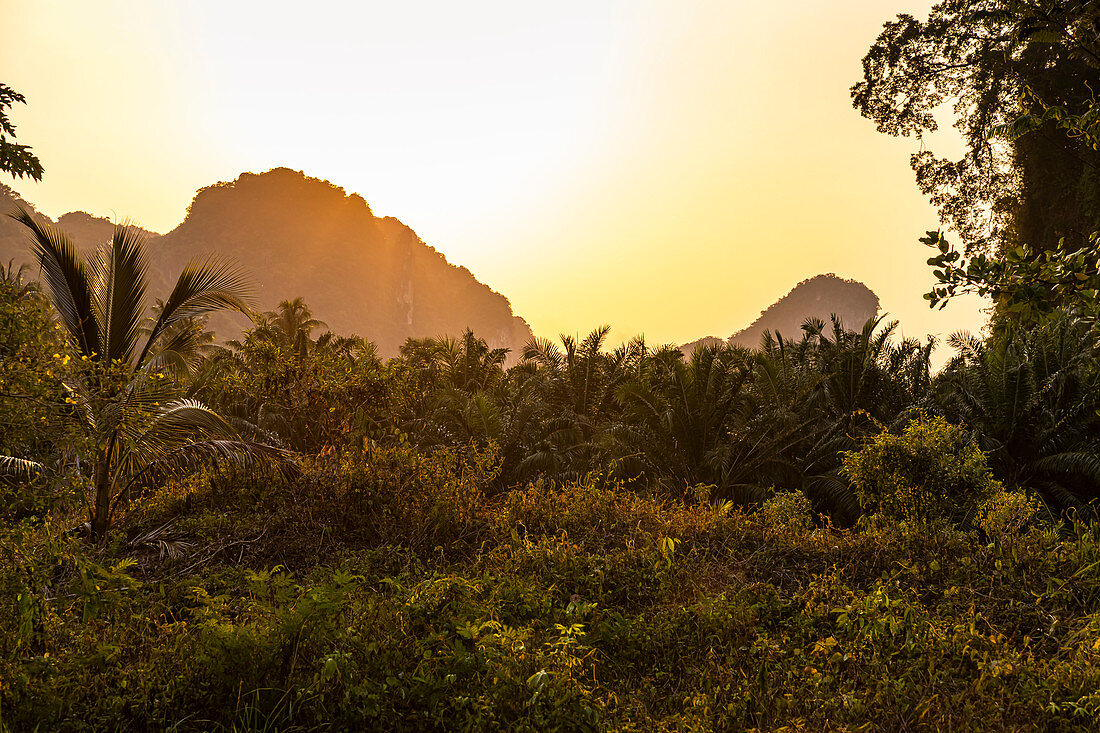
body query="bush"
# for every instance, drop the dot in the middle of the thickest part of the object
(1008, 513)
(932, 471)
(587, 512)
(787, 513)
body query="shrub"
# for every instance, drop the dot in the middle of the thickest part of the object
(424, 502)
(932, 471)
(587, 511)
(1008, 513)
(787, 513)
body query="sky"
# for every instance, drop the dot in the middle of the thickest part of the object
(668, 167)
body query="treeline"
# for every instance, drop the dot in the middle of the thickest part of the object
(723, 422)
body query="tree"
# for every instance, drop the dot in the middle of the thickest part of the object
(123, 385)
(810, 399)
(981, 57)
(1022, 75)
(291, 324)
(15, 159)
(33, 411)
(579, 383)
(679, 413)
(280, 384)
(1030, 398)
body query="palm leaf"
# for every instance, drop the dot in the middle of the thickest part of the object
(258, 459)
(120, 300)
(68, 280)
(12, 466)
(1082, 464)
(201, 288)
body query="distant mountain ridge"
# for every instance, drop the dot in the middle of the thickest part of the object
(818, 297)
(368, 275)
(302, 236)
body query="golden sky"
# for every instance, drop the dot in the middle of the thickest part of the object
(669, 167)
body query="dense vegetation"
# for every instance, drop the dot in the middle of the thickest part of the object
(816, 533)
(286, 531)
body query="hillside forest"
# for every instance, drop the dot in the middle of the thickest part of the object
(222, 509)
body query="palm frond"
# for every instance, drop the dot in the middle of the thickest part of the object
(181, 421)
(202, 287)
(68, 280)
(182, 349)
(161, 539)
(121, 299)
(12, 466)
(258, 459)
(1086, 465)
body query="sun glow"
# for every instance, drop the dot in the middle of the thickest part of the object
(670, 168)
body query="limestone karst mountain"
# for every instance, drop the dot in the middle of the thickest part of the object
(301, 236)
(818, 297)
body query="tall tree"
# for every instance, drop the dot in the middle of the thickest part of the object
(1030, 399)
(992, 61)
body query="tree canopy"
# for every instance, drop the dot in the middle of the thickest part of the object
(988, 63)
(15, 158)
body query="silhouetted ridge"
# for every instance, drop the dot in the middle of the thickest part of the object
(302, 236)
(818, 297)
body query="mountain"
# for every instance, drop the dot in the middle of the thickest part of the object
(819, 297)
(302, 236)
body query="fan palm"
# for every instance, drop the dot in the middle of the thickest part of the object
(139, 427)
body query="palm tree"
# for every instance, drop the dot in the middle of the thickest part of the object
(580, 382)
(679, 411)
(13, 279)
(1030, 397)
(140, 428)
(455, 391)
(866, 372)
(277, 383)
(291, 325)
(811, 398)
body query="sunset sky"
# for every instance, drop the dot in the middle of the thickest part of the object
(667, 167)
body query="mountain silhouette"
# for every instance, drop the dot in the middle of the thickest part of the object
(818, 297)
(302, 236)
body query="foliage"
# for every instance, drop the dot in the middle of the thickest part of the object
(787, 512)
(590, 538)
(1021, 76)
(422, 571)
(15, 159)
(981, 58)
(1030, 399)
(33, 358)
(1008, 513)
(278, 383)
(124, 390)
(1025, 288)
(579, 607)
(932, 471)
